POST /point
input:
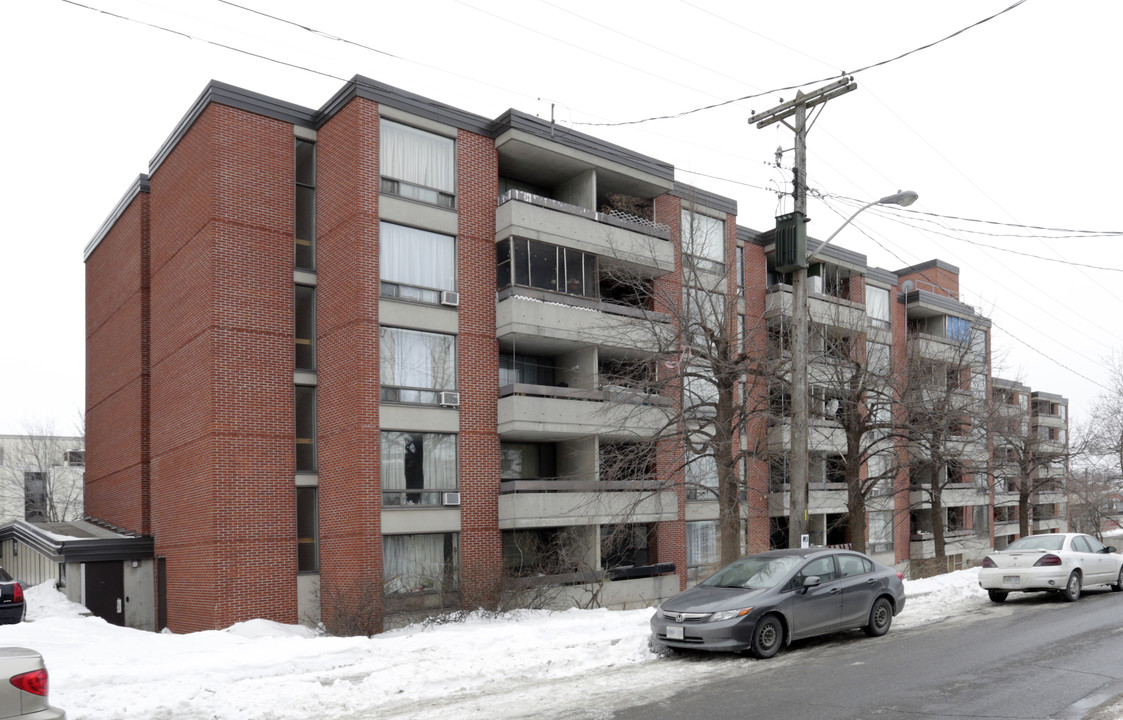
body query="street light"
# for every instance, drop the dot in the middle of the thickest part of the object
(801, 416)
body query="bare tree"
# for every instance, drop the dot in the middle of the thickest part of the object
(1094, 500)
(948, 416)
(41, 474)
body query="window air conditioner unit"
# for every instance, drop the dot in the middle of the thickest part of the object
(450, 399)
(450, 298)
(450, 498)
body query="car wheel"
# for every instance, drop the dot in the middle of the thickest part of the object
(998, 596)
(1118, 581)
(1071, 593)
(881, 617)
(768, 636)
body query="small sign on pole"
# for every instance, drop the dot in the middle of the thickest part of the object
(805, 540)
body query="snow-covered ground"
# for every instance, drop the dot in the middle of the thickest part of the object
(480, 667)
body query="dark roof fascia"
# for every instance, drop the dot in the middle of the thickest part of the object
(81, 549)
(881, 275)
(1038, 395)
(384, 94)
(943, 302)
(750, 236)
(705, 198)
(536, 126)
(1011, 384)
(140, 185)
(235, 97)
(927, 265)
(837, 252)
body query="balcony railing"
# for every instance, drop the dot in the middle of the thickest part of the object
(615, 393)
(546, 485)
(617, 218)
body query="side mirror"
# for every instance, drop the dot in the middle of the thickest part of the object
(1110, 549)
(811, 581)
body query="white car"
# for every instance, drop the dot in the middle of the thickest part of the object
(1057, 562)
(24, 695)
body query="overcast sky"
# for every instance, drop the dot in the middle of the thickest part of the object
(1009, 122)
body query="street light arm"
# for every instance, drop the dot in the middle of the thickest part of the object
(904, 199)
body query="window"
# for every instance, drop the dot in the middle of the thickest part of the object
(35, 497)
(958, 329)
(823, 568)
(417, 468)
(877, 306)
(416, 264)
(305, 412)
(307, 530)
(305, 211)
(545, 551)
(417, 164)
(305, 330)
(527, 461)
(416, 366)
(850, 565)
(701, 477)
(525, 369)
(881, 531)
(624, 545)
(74, 458)
(535, 264)
(703, 241)
(421, 563)
(741, 270)
(702, 550)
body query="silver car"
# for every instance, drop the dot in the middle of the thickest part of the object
(1063, 563)
(763, 602)
(24, 693)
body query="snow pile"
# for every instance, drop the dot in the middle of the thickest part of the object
(483, 665)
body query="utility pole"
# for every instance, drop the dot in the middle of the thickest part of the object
(795, 261)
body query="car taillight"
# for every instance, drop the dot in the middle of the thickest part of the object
(900, 576)
(988, 563)
(17, 593)
(1047, 561)
(34, 682)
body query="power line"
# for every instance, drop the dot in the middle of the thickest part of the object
(903, 55)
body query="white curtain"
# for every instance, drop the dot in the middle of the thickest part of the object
(438, 459)
(877, 303)
(413, 563)
(417, 257)
(701, 543)
(417, 157)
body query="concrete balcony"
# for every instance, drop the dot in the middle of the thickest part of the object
(962, 542)
(825, 309)
(954, 495)
(635, 243)
(551, 503)
(822, 437)
(540, 412)
(1056, 524)
(932, 347)
(548, 323)
(822, 498)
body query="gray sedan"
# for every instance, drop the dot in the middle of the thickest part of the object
(763, 602)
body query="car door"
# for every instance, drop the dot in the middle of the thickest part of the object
(1099, 560)
(859, 588)
(818, 609)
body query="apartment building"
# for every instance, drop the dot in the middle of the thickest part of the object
(41, 478)
(388, 357)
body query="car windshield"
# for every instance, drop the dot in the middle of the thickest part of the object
(1038, 542)
(753, 571)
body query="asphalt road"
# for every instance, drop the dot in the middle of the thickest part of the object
(1032, 657)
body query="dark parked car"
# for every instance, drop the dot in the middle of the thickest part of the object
(23, 686)
(763, 602)
(12, 607)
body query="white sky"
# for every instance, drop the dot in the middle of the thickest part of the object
(1000, 123)
(574, 664)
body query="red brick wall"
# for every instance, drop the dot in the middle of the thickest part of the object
(935, 280)
(116, 472)
(478, 371)
(756, 340)
(222, 398)
(347, 354)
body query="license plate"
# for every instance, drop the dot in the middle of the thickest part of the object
(674, 632)
(1011, 581)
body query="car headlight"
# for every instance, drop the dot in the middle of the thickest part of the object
(729, 614)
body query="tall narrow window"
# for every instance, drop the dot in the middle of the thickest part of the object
(305, 330)
(417, 468)
(35, 497)
(741, 270)
(417, 164)
(877, 306)
(307, 530)
(702, 549)
(305, 407)
(305, 214)
(416, 264)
